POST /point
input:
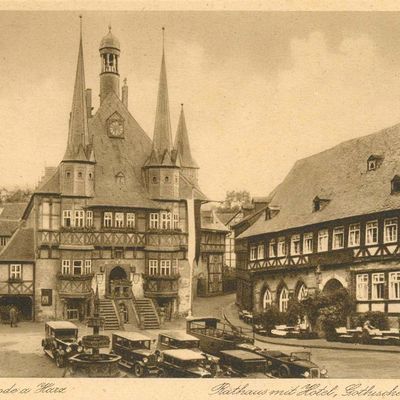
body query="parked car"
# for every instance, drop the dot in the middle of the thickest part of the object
(136, 353)
(184, 363)
(61, 341)
(182, 340)
(243, 364)
(293, 365)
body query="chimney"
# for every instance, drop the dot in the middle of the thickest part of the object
(125, 94)
(88, 94)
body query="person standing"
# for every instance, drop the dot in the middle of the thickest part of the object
(13, 317)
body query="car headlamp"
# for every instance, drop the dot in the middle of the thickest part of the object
(159, 359)
(80, 349)
(306, 374)
(145, 360)
(68, 349)
(323, 371)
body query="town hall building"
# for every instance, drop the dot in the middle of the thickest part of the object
(121, 211)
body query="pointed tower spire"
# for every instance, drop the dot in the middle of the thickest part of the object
(162, 138)
(78, 136)
(182, 145)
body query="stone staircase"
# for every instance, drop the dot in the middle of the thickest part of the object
(147, 313)
(107, 311)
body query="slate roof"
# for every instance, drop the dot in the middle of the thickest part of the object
(20, 247)
(50, 183)
(226, 217)
(210, 221)
(12, 211)
(116, 155)
(339, 175)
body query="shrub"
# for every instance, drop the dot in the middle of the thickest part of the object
(332, 317)
(377, 318)
(270, 317)
(294, 313)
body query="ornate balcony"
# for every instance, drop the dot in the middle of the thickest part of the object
(161, 285)
(121, 289)
(74, 286)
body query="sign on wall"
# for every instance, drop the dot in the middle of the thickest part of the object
(47, 297)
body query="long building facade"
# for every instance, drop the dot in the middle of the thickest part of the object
(120, 211)
(332, 223)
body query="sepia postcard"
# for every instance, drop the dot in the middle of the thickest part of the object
(199, 190)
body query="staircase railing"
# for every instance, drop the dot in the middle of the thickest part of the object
(138, 318)
(155, 311)
(121, 326)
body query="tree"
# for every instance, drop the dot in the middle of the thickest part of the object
(235, 199)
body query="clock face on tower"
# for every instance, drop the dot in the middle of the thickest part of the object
(116, 128)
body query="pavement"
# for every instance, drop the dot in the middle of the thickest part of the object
(231, 313)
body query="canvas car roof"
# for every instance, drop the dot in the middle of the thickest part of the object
(179, 335)
(184, 354)
(131, 335)
(243, 354)
(61, 325)
(202, 319)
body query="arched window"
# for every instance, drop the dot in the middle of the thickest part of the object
(120, 178)
(302, 292)
(283, 300)
(267, 299)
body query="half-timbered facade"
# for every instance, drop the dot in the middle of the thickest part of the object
(333, 222)
(120, 211)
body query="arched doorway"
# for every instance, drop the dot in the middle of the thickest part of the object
(332, 286)
(118, 280)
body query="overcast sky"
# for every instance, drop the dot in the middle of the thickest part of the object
(261, 89)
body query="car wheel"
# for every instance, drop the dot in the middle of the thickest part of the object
(138, 370)
(284, 371)
(60, 362)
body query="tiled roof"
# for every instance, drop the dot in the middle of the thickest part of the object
(12, 211)
(50, 183)
(20, 247)
(210, 221)
(225, 217)
(339, 175)
(7, 227)
(115, 156)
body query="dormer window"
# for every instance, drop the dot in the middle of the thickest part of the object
(68, 174)
(319, 204)
(271, 212)
(166, 179)
(374, 161)
(154, 179)
(395, 184)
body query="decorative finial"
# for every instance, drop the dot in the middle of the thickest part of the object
(182, 106)
(125, 81)
(163, 37)
(80, 23)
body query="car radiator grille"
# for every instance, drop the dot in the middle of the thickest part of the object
(314, 373)
(152, 360)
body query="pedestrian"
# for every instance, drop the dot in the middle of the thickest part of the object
(13, 317)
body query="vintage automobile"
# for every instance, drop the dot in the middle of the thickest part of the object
(182, 340)
(61, 341)
(243, 364)
(184, 363)
(293, 365)
(215, 335)
(136, 353)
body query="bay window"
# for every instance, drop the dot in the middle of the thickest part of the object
(88, 266)
(371, 232)
(176, 221)
(354, 235)
(166, 220)
(390, 232)
(77, 267)
(362, 287)
(165, 267)
(323, 240)
(338, 238)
